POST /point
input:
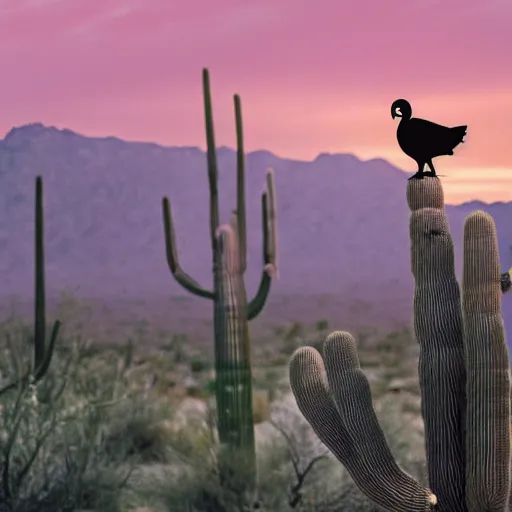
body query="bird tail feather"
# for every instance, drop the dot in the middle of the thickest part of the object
(458, 133)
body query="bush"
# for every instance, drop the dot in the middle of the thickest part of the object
(198, 365)
(322, 325)
(52, 441)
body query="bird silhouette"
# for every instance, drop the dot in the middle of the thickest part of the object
(423, 140)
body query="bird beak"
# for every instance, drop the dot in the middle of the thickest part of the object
(393, 114)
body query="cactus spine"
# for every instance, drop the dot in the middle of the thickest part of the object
(463, 371)
(232, 311)
(42, 353)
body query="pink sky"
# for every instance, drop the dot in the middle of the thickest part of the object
(314, 76)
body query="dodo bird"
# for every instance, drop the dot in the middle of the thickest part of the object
(423, 140)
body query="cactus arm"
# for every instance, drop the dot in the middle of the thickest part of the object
(438, 329)
(488, 380)
(272, 219)
(256, 305)
(41, 370)
(240, 187)
(172, 256)
(366, 458)
(212, 162)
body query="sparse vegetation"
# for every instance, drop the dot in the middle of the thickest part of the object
(115, 426)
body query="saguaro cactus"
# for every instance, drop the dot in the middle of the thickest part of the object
(463, 372)
(232, 311)
(43, 352)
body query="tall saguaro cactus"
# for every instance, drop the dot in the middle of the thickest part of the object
(463, 371)
(43, 352)
(232, 310)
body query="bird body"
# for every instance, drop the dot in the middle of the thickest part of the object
(423, 140)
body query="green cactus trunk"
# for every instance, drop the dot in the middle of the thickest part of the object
(232, 310)
(233, 364)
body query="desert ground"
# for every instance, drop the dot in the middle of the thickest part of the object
(124, 420)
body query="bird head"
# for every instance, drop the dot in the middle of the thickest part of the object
(401, 108)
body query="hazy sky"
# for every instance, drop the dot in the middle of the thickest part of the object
(314, 75)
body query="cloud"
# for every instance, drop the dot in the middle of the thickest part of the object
(186, 28)
(241, 18)
(91, 28)
(219, 25)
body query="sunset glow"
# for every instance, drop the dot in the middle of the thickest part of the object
(314, 77)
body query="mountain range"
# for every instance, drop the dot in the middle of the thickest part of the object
(342, 222)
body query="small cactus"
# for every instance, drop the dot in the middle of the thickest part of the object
(43, 352)
(463, 371)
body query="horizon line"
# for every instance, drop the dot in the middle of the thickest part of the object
(233, 150)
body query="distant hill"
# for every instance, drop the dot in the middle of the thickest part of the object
(343, 222)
